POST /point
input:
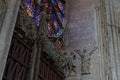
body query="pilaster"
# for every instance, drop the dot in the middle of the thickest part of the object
(7, 26)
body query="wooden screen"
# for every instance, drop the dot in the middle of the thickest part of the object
(47, 71)
(17, 65)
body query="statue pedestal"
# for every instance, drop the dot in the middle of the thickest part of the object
(77, 74)
(72, 77)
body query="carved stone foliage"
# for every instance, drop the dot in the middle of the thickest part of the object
(25, 23)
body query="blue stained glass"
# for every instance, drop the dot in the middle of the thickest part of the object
(54, 2)
(27, 1)
(60, 16)
(29, 9)
(54, 28)
(35, 13)
(55, 23)
(41, 3)
(63, 9)
(56, 9)
(37, 20)
(58, 30)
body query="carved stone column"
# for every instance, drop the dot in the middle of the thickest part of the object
(37, 49)
(6, 28)
(40, 35)
(3, 8)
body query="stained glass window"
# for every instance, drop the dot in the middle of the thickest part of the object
(56, 10)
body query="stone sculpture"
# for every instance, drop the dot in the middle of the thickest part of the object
(85, 58)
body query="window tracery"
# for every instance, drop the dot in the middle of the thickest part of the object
(55, 10)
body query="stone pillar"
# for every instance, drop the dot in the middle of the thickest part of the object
(108, 13)
(7, 27)
(3, 7)
(80, 34)
(113, 13)
(35, 62)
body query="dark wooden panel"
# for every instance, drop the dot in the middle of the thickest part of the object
(47, 71)
(17, 65)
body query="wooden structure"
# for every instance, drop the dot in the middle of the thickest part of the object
(47, 71)
(18, 65)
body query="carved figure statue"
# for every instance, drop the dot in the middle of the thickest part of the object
(69, 66)
(43, 28)
(85, 55)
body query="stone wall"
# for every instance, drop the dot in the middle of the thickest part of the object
(108, 38)
(81, 34)
(81, 27)
(113, 27)
(96, 23)
(7, 23)
(3, 7)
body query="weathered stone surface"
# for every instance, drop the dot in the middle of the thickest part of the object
(80, 33)
(7, 28)
(91, 23)
(81, 27)
(96, 23)
(3, 4)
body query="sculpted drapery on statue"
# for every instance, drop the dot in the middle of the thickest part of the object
(85, 58)
(69, 66)
(72, 54)
(43, 28)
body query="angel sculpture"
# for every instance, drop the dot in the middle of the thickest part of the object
(69, 66)
(85, 57)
